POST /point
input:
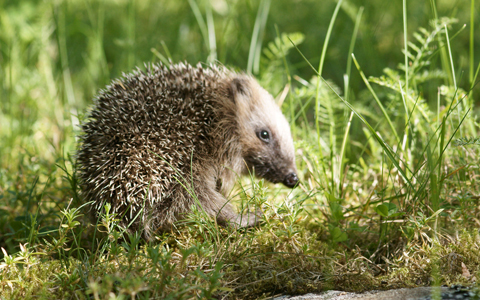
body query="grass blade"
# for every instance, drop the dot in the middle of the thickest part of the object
(212, 41)
(405, 41)
(253, 63)
(319, 72)
(367, 83)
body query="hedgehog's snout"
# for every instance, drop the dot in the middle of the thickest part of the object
(290, 180)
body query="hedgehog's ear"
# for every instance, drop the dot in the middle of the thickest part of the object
(239, 89)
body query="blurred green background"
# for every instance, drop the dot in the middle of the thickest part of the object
(56, 55)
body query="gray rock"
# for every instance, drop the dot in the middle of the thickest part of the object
(420, 293)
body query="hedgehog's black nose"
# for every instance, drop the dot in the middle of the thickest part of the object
(290, 180)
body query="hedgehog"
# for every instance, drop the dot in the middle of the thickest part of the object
(160, 141)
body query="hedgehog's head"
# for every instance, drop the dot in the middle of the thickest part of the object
(265, 138)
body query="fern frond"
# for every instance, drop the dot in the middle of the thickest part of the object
(279, 48)
(332, 114)
(272, 60)
(466, 141)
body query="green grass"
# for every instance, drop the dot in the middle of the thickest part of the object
(386, 139)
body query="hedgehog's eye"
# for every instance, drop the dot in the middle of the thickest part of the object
(264, 136)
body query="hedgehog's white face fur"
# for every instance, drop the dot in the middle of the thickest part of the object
(267, 145)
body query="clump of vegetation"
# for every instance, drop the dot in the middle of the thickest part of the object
(388, 163)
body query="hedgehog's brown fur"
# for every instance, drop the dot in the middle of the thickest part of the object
(158, 139)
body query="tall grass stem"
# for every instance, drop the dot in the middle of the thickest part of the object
(405, 42)
(212, 41)
(254, 52)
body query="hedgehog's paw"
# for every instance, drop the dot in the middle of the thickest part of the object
(249, 219)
